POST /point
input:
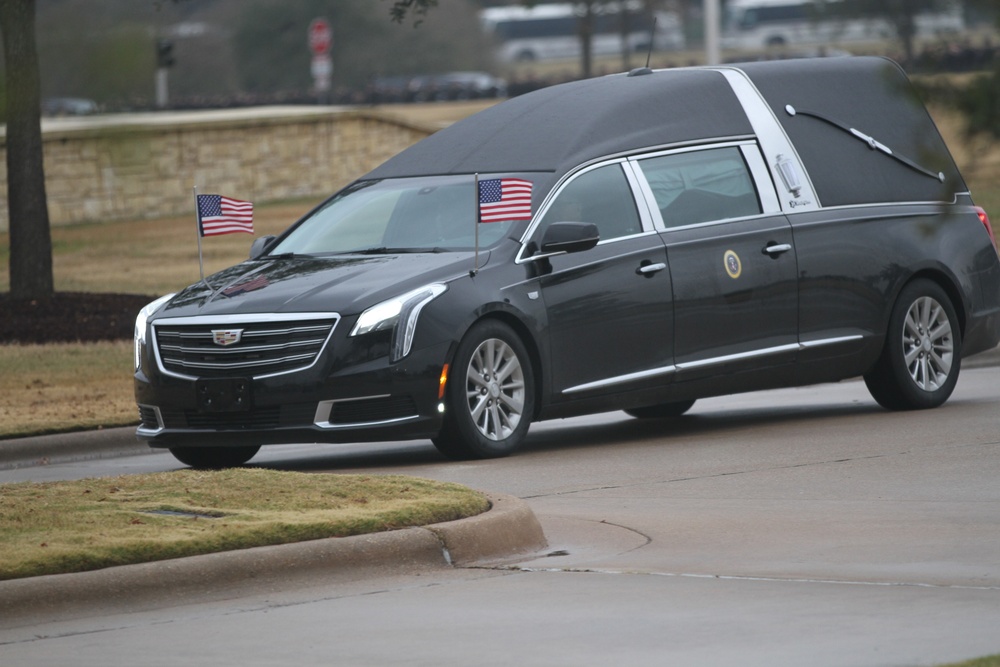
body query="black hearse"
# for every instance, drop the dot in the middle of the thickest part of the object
(646, 240)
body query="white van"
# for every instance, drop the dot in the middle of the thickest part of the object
(756, 24)
(551, 31)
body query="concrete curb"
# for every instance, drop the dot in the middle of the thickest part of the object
(76, 446)
(509, 527)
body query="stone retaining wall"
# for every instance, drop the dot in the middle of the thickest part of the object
(137, 166)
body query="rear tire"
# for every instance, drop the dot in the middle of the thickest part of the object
(490, 398)
(922, 355)
(661, 411)
(214, 458)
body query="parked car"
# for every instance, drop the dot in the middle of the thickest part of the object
(456, 86)
(438, 87)
(670, 235)
(68, 106)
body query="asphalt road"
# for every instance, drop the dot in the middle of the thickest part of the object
(793, 527)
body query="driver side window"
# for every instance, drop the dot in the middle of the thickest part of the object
(601, 196)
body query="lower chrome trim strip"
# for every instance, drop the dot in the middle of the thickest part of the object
(701, 363)
(620, 379)
(766, 352)
(829, 341)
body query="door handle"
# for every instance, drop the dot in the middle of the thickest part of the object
(775, 249)
(650, 269)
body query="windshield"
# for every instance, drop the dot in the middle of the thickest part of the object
(427, 214)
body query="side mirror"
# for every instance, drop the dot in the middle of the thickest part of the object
(569, 237)
(260, 245)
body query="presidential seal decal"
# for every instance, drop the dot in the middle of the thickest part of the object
(733, 265)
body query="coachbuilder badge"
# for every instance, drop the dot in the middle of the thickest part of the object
(733, 265)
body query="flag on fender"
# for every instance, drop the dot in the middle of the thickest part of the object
(223, 215)
(504, 199)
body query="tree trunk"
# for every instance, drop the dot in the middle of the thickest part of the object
(624, 28)
(30, 239)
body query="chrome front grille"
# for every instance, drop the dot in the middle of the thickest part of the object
(241, 346)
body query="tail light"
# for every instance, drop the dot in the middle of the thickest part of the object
(985, 219)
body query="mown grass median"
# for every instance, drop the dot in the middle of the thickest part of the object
(75, 526)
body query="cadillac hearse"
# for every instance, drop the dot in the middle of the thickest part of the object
(631, 242)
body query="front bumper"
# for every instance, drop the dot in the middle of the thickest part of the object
(368, 402)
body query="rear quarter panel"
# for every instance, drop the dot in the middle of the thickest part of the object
(853, 261)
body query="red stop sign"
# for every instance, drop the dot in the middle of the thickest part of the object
(320, 36)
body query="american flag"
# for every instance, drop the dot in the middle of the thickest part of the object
(504, 199)
(222, 215)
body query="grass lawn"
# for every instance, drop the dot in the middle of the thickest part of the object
(52, 388)
(60, 527)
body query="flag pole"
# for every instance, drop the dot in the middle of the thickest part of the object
(197, 221)
(475, 266)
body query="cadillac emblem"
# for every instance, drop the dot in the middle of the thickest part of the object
(226, 337)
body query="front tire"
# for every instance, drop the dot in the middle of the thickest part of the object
(922, 355)
(214, 458)
(490, 398)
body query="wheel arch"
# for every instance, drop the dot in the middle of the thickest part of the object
(530, 342)
(950, 287)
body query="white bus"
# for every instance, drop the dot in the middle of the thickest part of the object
(756, 24)
(550, 31)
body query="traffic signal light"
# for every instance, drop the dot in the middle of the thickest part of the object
(164, 53)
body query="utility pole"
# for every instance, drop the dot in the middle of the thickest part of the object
(164, 61)
(712, 51)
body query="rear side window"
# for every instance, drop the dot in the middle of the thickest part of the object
(701, 186)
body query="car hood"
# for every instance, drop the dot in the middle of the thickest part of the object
(342, 284)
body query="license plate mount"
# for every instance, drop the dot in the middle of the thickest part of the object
(223, 395)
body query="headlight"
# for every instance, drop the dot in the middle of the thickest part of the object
(140, 326)
(400, 314)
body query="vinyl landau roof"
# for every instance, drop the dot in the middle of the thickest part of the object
(558, 128)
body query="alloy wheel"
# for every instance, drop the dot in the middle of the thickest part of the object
(495, 389)
(928, 344)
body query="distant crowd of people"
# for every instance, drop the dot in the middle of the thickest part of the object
(962, 56)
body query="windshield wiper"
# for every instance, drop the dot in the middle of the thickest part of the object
(383, 250)
(283, 255)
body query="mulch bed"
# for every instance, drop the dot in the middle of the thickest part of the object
(68, 317)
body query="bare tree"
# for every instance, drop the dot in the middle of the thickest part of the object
(900, 14)
(30, 237)
(400, 8)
